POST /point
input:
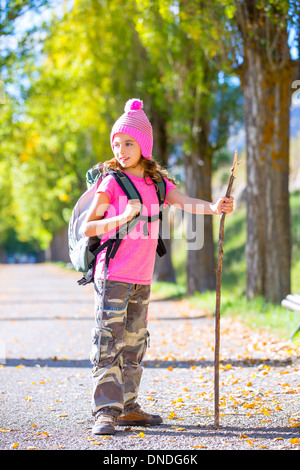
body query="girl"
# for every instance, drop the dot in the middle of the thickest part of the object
(121, 304)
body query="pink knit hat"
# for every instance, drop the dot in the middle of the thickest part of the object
(135, 123)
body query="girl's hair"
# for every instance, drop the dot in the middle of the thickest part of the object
(151, 169)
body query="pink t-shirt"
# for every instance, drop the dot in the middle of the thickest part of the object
(134, 260)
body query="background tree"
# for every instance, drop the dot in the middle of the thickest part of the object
(178, 38)
(253, 41)
(267, 72)
(91, 62)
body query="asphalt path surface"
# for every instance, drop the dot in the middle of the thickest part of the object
(45, 376)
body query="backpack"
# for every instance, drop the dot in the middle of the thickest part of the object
(83, 250)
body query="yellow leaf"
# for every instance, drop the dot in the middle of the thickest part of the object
(294, 441)
(141, 434)
(15, 445)
(34, 425)
(62, 416)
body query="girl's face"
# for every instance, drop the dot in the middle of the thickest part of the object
(126, 150)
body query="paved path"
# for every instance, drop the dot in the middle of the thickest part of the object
(45, 381)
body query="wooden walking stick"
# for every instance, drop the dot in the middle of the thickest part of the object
(218, 294)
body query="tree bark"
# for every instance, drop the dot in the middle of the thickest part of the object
(58, 249)
(163, 269)
(267, 101)
(198, 168)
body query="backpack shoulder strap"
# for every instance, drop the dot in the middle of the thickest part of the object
(126, 184)
(161, 191)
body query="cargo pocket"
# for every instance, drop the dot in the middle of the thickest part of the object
(144, 348)
(102, 350)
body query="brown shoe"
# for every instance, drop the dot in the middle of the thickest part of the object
(105, 421)
(135, 416)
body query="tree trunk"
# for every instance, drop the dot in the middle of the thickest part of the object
(163, 269)
(58, 249)
(198, 168)
(267, 102)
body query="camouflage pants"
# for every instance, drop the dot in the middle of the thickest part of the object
(123, 342)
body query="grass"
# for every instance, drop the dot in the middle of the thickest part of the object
(255, 313)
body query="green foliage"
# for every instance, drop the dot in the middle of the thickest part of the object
(73, 78)
(90, 61)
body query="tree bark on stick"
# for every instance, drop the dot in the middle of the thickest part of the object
(218, 294)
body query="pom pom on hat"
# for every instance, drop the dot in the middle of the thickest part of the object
(133, 105)
(134, 122)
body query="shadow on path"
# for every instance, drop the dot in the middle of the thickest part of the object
(157, 364)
